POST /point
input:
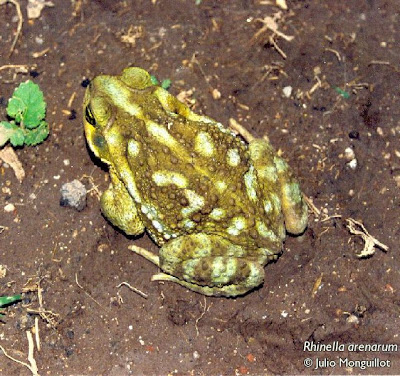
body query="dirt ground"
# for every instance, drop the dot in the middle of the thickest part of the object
(323, 84)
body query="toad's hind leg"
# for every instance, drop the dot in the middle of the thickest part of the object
(275, 175)
(209, 264)
(294, 207)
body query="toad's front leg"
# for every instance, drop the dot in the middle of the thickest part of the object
(119, 208)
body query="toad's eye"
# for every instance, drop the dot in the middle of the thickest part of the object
(89, 116)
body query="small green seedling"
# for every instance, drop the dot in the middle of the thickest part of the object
(27, 108)
(342, 92)
(165, 84)
(7, 300)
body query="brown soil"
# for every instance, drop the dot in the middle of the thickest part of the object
(343, 67)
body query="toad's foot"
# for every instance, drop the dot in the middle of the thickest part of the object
(228, 290)
(146, 254)
(205, 290)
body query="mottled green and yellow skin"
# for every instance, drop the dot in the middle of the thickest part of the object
(217, 206)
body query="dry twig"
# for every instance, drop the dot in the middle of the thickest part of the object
(19, 68)
(271, 23)
(311, 206)
(94, 188)
(370, 242)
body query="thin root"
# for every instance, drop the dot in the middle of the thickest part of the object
(20, 22)
(134, 289)
(32, 366)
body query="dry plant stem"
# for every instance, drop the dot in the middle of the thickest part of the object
(37, 334)
(47, 315)
(280, 51)
(311, 205)
(328, 218)
(31, 359)
(336, 53)
(20, 22)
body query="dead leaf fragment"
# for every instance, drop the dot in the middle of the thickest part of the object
(317, 285)
(7, 155)
(35, 7)
(133, 33)
(3, 271)
(282, 4)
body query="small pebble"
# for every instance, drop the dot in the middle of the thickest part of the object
(354, 135)
(353, 164)
(216, 94)
(287, 91)
(9, 208)
(353, 319)
(349, 154)
(39, 40)
(73, 194)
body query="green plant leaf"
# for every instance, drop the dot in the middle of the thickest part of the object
(5, 300)
(166, 84)
(37, 135)
(27, 105)
(154, 80)
(343, 93)
(17, 138)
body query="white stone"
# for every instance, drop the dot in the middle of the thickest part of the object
(9, 208)
(287, 91)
